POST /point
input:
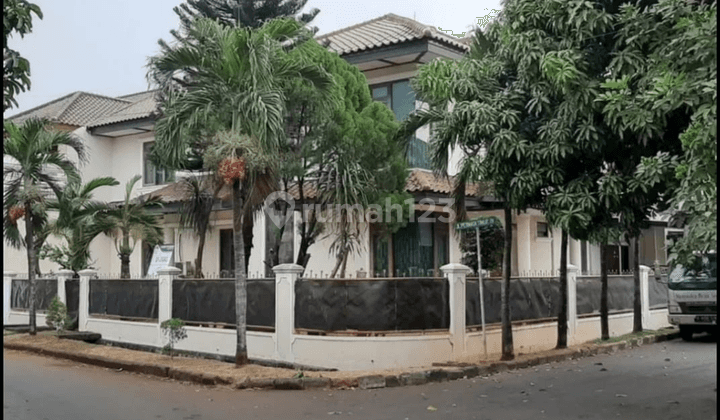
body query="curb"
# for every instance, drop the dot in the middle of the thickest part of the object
(362, 382)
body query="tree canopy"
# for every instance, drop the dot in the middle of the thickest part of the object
(17, 19)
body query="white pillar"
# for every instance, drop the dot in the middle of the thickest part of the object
(7, 290)
(84, 301)
(166, 275)
(456, 275)
(572, 272)
(285, 277)
(62, 277)
(645, 295)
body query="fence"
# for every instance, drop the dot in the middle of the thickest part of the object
(359, 323)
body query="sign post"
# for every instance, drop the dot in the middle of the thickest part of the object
(476, 224)
(161, 258)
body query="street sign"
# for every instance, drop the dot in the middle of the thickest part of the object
(161, 258)
(478, 222)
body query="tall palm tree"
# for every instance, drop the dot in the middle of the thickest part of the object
(224, 97)
(78, 222)
(130, 223)
(32, 164)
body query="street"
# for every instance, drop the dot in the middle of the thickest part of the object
(669, 380)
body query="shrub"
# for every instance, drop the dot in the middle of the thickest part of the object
(174, 330)
(57, 315)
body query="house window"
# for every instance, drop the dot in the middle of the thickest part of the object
(542, 230)
(398, 96)
(153, 174)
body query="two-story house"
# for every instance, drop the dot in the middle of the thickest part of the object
(389, 50)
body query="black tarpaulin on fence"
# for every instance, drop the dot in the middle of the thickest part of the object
(529, 299)
(372, 305)
(125, 298)
(620, 294)
(45, 290)
(214, 301)
(658, 294)
(72, 294)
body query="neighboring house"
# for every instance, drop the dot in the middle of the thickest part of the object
(388, 50)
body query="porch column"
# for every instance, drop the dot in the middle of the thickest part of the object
(84, 301)
(285, 277)
(645, 295)
(8, 276)
(456, 275)
(62, 277)
(572, 272)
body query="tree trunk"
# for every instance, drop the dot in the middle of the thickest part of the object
(338, 263)
(31, 254)
(199, 256)
(563, 314)
(247, 232)
(125, 257)
(604, 310)
(307, 229)
(637, 303)
(507, 339)
(124, 266)
(241, 356)
(344, 264)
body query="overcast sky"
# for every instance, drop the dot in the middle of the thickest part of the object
(102, 46)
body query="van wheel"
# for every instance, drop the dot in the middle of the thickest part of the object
(686, 333)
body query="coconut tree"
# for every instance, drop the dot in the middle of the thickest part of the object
(79, 221)
(132, 222)
(224, 98)
(33, 164)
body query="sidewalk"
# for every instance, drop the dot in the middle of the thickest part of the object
(212, 372)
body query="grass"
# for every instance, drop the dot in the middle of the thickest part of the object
(627, 337)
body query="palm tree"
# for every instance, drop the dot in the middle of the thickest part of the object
(130, 223)
(224, 98)
(33, 164)
(200, 194)
(79, 221)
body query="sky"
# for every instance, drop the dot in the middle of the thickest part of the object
(102, 46)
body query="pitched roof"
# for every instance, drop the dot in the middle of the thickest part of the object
(422, 180)
(77, 109)
(143, 108)
(385, 30)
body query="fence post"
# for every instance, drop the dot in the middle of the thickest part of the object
(285, 277)
(572, 272)
(645, 295)
(84, 301)
(456, 275)
(62, 277)
(7, 290)
(166, 275)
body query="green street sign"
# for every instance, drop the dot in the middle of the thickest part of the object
(478, 222)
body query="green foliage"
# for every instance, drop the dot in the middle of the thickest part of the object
(663, 87)
(174, 330)
(492, 243)
(57, 315)
(246, 13)
(17, 18)
(33, 159)
(80, 219)
(132, 222)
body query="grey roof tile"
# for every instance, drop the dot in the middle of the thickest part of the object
(77, 108)
(386, 30)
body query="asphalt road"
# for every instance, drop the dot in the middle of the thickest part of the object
(670, 380)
